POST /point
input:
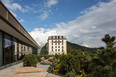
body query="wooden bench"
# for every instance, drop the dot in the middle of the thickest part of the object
(28, 69)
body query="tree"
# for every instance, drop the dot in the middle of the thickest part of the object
(104, 64)
(109, 40)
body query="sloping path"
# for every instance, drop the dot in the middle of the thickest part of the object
(45, 67)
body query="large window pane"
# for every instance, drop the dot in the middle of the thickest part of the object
(14, 50)
(20, 52)
(17, 51)
(7, 49)
(1, 57)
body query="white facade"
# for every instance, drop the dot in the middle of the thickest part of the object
(57, 45)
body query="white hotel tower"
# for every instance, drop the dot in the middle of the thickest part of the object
(56, 45)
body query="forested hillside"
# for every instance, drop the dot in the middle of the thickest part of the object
(43, 50)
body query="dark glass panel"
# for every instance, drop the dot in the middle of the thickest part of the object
(14, 50)
(17, 51)
(7, 49)
(1, 52)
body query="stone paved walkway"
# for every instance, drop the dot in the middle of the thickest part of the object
(11, 69)
(45, 67)
(52, 75)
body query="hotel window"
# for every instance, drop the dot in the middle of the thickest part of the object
(55, 46)
(58, 49)
(55, 49)
(58, 43)
(62, 50)
(62, 43)
(58, 37)
(55, 43)
(58, 46)
(62, 47)
(62, 36)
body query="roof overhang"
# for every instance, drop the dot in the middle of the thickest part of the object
(10, 25)
(8, 29)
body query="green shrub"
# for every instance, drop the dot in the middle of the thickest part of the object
(51, 60)
(70, 74)
(39, 58)
(30, 60)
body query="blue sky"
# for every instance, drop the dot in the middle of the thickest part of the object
(83, 22)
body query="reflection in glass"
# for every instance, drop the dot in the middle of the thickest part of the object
(14, 50)
(19, 54)
(7, 49)
(1, 62)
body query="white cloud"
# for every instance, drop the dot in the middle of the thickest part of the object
(51, 3)
(85, 45)
(43, 35)
(44, 15)
(85, 30)
(46, 10)
(21, 20)
(15, 6)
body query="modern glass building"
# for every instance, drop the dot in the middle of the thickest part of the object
(15, 41)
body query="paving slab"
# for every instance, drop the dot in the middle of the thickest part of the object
(28, 69)
(44, 67)
(41, 74)
(10, 70)
(52, 75)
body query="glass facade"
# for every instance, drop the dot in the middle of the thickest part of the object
(1, 57)
(7, 49)
(12, 49)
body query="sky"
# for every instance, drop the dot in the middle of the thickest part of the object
(83, 22)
